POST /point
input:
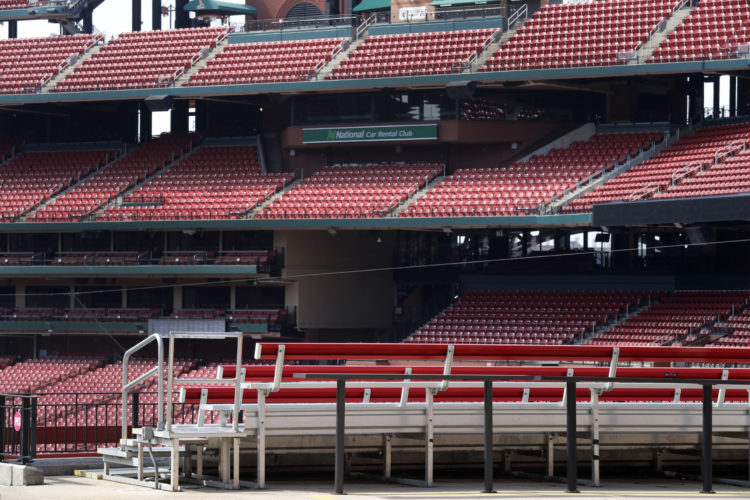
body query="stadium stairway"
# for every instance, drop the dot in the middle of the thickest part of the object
(416, 196)
(275, 196)
(326, 70)
(648, 48)
(72, 67)
(555, 205)
(24, 217)
(515, 25)
(206, 56)
(631, 312)
(119, 199)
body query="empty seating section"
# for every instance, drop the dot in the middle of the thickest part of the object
(271, 317)
(127, 258)
(409, 54)
(14, 4)
(522, 186)
(656, 174)
(31, 178)
(141, 60)
(92, 193)
(713, 30)
(85, 314)
(738, 327)
(580, 34)
(672, 318)
(263, 62)
(33, 375)
(731, 176)
(359, 191)
(27, 63)
(524, 317)
(215, 182)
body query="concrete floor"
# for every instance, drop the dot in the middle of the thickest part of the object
(76, 488)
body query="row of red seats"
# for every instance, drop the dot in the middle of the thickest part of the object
(259, 62)
(362, 191)
(525, 185)
(147, 59)
(657, 173)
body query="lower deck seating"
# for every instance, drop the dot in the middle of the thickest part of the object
(519, 317)
(673, 318)
(738, 327)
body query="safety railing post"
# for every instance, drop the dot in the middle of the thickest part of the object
(571, 433)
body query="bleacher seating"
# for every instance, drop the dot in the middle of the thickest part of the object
(33, 177)
(738, 326)
(352, 191)
(673, 318)
(13, 4)
(27, 63)
(409, 54)
(580, 34)
(524, 185)
(263, 62)
(92, 193)
(656, 173)
(523, 317)
(215, 182)
(142, 59)
(713, 30)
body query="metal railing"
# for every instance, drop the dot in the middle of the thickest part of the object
(18, 427)
(158, 370)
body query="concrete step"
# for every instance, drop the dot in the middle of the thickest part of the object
(326, 70)
(661, 34)
(72, 65)
(205, 57)
(416, 196)
(259, 209)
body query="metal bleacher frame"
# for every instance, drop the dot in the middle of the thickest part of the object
(256, 420)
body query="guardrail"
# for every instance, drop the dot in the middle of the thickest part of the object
(18, 427)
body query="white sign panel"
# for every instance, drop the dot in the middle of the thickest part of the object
(412, 13)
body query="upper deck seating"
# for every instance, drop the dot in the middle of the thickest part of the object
(142, 59)
(27, 63)
(263, 62)
(713, 30)
(409, 54)
(580, 34)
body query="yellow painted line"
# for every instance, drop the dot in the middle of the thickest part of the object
(88, 474)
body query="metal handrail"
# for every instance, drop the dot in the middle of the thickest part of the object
(159, 369)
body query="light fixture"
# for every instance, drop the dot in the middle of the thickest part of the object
(332, 231)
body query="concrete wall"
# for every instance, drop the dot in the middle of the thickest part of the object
(357, 300)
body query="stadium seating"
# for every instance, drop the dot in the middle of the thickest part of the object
(127, 258)
(738, 326)
(264, 62)
(83, 314)
(523, 317)
(28, 63)
(673, 318)
(270, 317)
(89, 195)
(142, 60)
(13, 4)
(713, 30)
(524, 185)
(33, 177)
(215, 182)
(352, 191)
(580, 34)
(38, 374)
(656, 174)
(732, 176)
(409, 54)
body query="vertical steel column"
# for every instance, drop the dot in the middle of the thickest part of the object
(3, 409)
(340, 435)
(488, 465)
(706, 460)
(570, 389)
(134, 424)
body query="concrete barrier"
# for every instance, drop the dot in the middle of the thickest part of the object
(20, 475)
